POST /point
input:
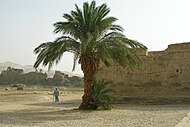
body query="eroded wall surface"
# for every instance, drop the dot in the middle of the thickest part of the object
(165, 77)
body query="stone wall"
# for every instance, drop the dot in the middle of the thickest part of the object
(164, 78)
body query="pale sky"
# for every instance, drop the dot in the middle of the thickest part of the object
(24, 24)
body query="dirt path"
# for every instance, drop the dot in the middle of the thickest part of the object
(36, 109)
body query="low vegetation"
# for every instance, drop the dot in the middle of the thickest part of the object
(101, 96)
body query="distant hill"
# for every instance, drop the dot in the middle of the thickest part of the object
(26, 68)
(29, 68)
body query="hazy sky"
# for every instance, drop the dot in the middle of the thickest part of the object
(24, 24)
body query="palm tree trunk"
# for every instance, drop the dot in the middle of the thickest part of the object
(87, 90)
(89, 65)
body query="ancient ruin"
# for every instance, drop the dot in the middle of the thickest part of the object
(164, 77)
(17, 76)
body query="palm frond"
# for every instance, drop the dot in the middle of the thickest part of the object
(51, 52)
(119, 49)
(76, 57)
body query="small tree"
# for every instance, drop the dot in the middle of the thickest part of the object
(101, 95)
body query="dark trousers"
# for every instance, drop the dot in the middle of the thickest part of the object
(56, 99)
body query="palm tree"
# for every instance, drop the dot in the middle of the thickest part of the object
(91, 36)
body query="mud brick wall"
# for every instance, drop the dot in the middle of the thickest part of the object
(164, 77)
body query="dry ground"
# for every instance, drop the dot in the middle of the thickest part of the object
(36, 109)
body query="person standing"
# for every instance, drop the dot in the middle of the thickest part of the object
(56, 95)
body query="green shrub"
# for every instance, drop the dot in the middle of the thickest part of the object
(100, 96)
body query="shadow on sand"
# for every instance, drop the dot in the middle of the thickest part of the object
(63, 104)
(45, 111)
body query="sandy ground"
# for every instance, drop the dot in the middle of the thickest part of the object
(36, 109)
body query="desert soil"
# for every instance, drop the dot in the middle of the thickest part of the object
(36, 109)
